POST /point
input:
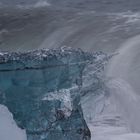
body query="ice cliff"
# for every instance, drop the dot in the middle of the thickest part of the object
(43, 90)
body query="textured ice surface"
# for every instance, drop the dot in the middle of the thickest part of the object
(43, 90)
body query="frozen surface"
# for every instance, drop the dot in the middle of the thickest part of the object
(8, 127)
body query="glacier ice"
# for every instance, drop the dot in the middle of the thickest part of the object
(43, 90)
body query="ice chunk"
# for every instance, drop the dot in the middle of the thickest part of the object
(43, 90)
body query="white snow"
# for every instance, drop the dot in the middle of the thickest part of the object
(8, 127)
(64, 96)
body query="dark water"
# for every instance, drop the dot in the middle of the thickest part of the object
(90, 25)
(100, 5)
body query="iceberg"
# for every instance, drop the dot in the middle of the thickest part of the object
(43, 90)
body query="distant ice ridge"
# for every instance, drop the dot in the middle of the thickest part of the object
(42, 3)
(38, 4)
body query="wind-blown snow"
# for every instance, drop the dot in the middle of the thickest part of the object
(110, 125)
(124, 101)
